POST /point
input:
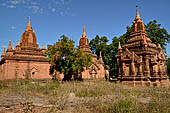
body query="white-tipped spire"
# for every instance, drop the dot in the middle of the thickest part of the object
(100, 58)
(119, 46)
(100, 54)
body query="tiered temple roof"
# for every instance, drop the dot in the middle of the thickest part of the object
(27, 49)
(139, 41)
(84, 42)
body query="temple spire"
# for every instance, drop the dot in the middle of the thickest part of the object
(159, 46)
(43, 46)
(100, 58)
(84, 33)
(100, 54)
(137, 12)
(18, 44)
(9, 46)
(13, 47)
(29, 24)
(119, 46)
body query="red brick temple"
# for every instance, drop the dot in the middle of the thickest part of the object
(26, 59)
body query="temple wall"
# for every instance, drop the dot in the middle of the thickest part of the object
(100, 74)
(24, 69)
(86, 74)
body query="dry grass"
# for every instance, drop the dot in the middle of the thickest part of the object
(88, 96)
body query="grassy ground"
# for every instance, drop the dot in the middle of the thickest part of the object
(84, 97)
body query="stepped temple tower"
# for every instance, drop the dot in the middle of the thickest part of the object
(26, 59)
(96, 70)
(141, 62)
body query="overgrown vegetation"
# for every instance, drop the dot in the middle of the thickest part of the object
(67, 59)
(89, 96)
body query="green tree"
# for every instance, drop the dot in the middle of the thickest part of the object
(168, 66)
(67, 59)
(157, 34)
(99, 44)
(108, 51)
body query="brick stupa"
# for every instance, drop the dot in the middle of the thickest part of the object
(26, 60)
(141, 62)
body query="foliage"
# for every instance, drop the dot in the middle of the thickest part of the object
(67, 59)
(157, 34)
(168, 66)
(99, 44)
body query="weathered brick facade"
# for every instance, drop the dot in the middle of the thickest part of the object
(26, 60)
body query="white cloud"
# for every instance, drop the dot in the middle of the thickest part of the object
(34, 3)
(11, 6)
(58, 6)
(13, 28)
(53, 9)
(15, 2)
(35, 8)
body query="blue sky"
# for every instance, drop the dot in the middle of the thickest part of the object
(52, 18)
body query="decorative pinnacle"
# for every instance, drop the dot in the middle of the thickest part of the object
(119, 46)
(100, 54)
(137, 12)
(159, 46)
(13, 47)
(84, 33)
(29, 24)
(18, 44)
(9, 46)
(43, 46)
